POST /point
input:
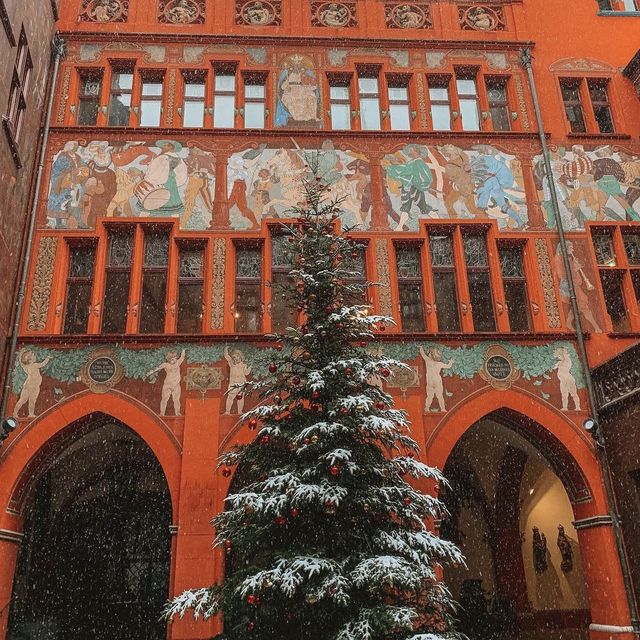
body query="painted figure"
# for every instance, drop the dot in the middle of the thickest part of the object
(461, 187)
(568, 386)
(172, 380)
(183, 12)
(582, 286)
(105, 10)
(239, 177)
(609, 175)
(239, 371)
(480, 18)
(201, 170)
(159, 193)
(297, 92)
(433, 380)
(494, 182)
(31, 387)
(415, 178)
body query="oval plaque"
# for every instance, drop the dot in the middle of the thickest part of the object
(499, 367)
(101, 370)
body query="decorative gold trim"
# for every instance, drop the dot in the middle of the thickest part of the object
(548, 290)
(42, 280)
(384, 277)
(217, 283)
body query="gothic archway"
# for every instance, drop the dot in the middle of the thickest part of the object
(94, 562)
(508, 498)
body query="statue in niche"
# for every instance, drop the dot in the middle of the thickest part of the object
(539, 551)
(564, 544)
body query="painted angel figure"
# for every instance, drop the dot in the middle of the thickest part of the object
(172, 380)
(239, 371)
(31, 387)
(433, 383)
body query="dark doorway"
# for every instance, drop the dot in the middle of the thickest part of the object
(94, 562)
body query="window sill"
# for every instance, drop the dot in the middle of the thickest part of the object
(13, 145)
(619, 14)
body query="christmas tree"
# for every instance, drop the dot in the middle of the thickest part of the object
(324, 537)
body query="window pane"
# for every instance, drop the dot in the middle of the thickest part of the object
(248, 306)
(614, 299)
(152, 89)
(632, 247)
(441, 117)
(446, 294)
(411, 307)
(500, 118)
(122, 80)
(469, 114)
(77, 309)
(370, 114)
(190, 297)
(399, 93)
(368, 85)
(340, 116)
(466, 86)
(193, 114)
(150, 113)
(255, 91)
(194, 90)
(400, 120)
(282, 313)
(603, 248)
(152, 308)
(225, 82)
(481, 301)
(603, 118)
(254, 115)
(439, 93)
(88, 111)
(339, 93)
(517, 301)
(116, 302)
(635, 280)
(119, 109)
(224, 112)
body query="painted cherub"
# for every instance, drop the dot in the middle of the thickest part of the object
(172, 379)
(433, 383)
(239, 370)
(31, 387)
(568, 386)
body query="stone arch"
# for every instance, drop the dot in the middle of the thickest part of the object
(37, 444)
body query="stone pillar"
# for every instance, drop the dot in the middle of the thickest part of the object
(194, 562)
(220, 217)
(536, 217)
(378, 197)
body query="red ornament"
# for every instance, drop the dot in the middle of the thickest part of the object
(344, 410)
(348, 371)
(335, 470)
(315, 395)
(363, 344)
(291, 239)
(380, 405)
(252, 599)
(338, 258)
(226, 472)
(295, 380)
(407, 501)
(295, 512)
(384, 372)
(253, 424)
(278, 347)
(280, 521)
(264, 440)
(251, 626)
(382, 328)
(273, 367)
(328, 309)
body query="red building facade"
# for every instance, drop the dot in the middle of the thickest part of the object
(179, 136)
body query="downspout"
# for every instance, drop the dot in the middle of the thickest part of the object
(601, 452)
(58, 50)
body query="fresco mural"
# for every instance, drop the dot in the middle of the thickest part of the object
(449, 182)
(602, 184)
(161, 179)
(297, 94)
(43, 377)
(267, 182)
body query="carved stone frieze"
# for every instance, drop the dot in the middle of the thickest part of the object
(259, 13)
(181, 11)
(43, 277)
(481, 17)
(104, 10)
(333, 14)
(407, 16)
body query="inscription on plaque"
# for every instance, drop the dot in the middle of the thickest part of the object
(102, 370)
(499, 367)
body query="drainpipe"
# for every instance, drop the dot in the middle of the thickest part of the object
(601, 452)
(58, 51)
